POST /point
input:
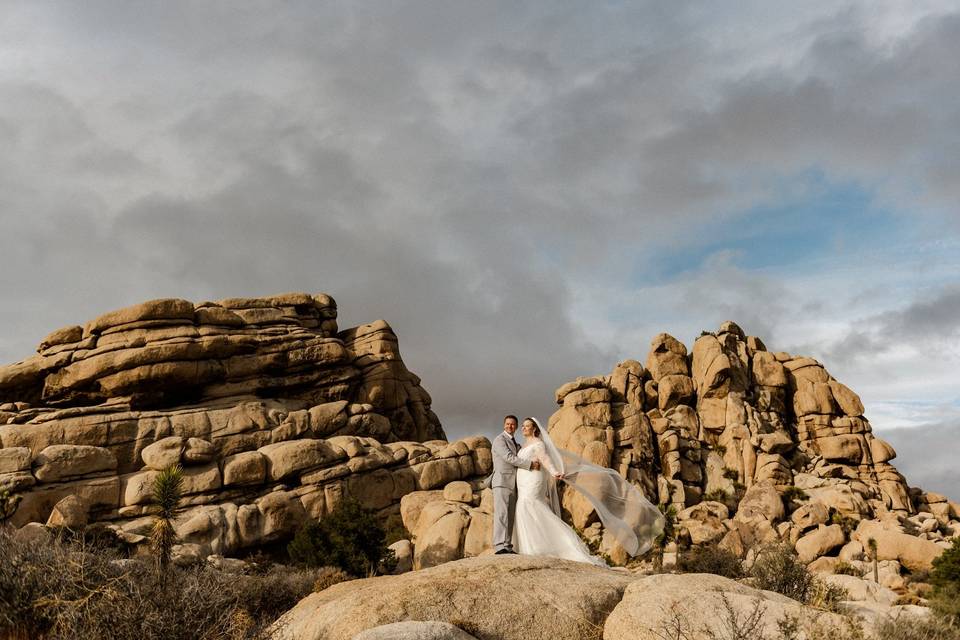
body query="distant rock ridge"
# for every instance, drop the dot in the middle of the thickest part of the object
(273, 412)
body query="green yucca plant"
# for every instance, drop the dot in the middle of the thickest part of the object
(167, 489)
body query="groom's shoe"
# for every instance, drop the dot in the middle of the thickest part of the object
(505, 552)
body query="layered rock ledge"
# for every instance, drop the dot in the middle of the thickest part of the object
(273, 412)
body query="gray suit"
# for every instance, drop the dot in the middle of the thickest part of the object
(504, 484)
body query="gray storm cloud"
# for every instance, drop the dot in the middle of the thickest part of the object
(467, 171)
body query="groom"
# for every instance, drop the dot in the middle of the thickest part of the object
(504, 484)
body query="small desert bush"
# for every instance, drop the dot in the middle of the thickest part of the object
(350, 538)
(846, 569)
(717, 495)
(827, 596)
(794, 494)
(909, 627)
(394, 530)
(712, 559)
(58, 590)
(945, 578)
(777, 568)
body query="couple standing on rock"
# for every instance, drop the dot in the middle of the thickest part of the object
(526, 500)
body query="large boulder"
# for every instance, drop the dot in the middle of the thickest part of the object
(510, 598)
(62, 461)
(693, 606)
(916, 554)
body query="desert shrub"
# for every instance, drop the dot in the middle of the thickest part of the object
(946, 567)
(59, 589)
(908, 627)
(668, 535)
(730, 474)
(945, 578)
(394, 530)
(778, 569)
(717, 495)
(350, 538)
(712, 559)
(846, 569)
(8, 504)
(826, 596)
(794, 494)
(846, 523)
(274, 592)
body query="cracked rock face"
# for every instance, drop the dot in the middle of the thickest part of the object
(273, 412)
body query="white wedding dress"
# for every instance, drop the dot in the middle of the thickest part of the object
(538, 529)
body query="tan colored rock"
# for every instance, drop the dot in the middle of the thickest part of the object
(810, 515)
(458, 491)
(881, 450)
(767, 371)
(16, 481)
(819, 542)
(761, 501)
(403, 551)
(441, 540)
(163, 453)
(415, 630)
(249, 467)
(15, 459)
(674, 389)
(137, 488)
(70, 513)
(461, 593)
(198, 451)
(479, 536)
(916, 554)
(412, 504)
(667, 356)
(847, 448)
(285, 459)
(62, 461)
(438, 473)
(161, 309)
(650, 605)
(860, 590)
(849, 402)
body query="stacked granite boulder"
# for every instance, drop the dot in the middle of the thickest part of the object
(751, 447)
(273, 413)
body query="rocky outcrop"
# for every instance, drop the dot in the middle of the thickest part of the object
(273, 413)
(523, 597)
(490, 597)
(750, 447)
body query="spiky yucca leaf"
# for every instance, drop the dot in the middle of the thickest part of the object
(167, 490)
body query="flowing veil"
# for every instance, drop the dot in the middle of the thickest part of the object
(623, 509)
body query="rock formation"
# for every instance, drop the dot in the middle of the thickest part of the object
(523, 597)
(273, 413)
(751, 446)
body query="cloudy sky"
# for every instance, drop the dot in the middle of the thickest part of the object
(526, 192)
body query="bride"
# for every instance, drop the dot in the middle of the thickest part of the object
(538, 530)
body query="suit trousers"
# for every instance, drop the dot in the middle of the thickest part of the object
(504, 510)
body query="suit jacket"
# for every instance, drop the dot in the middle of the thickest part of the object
(506, 462)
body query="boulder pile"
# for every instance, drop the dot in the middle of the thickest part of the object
(273, 413)
(752, 447)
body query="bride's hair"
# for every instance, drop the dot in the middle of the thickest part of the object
(536, 429)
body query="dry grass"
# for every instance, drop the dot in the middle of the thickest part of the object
(58, 590)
